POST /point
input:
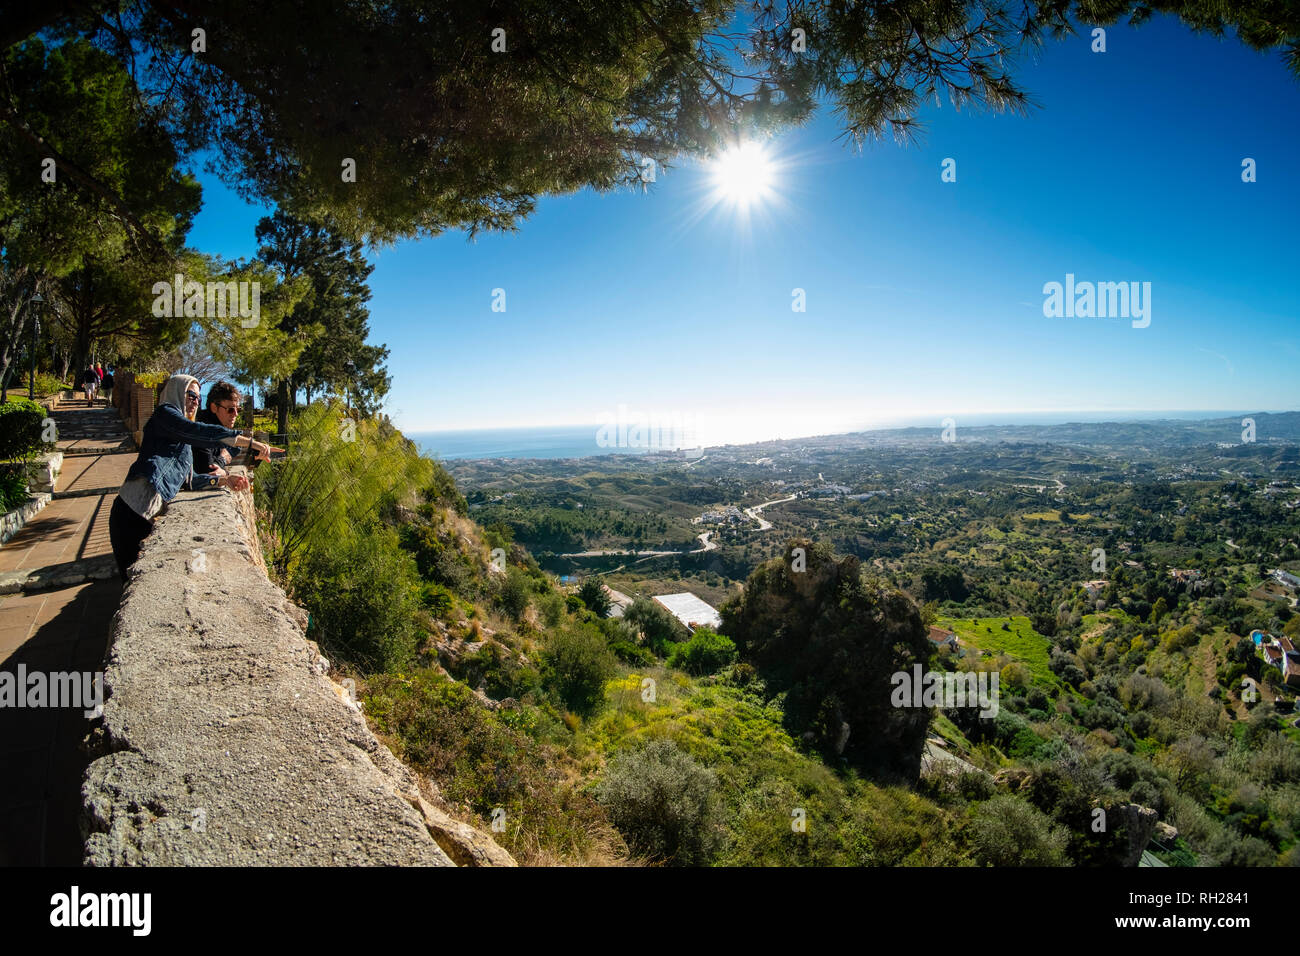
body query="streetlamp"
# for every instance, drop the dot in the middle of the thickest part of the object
(36, 300)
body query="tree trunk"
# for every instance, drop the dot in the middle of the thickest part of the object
(14, 329)
(282, 395)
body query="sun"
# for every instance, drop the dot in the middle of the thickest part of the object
(743, 174)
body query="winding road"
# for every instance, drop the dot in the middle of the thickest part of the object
(763, 523)
(705, 543)
(1060, 485)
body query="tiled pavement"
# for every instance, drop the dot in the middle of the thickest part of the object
(82, 473)
(41, 761)
(68, 529)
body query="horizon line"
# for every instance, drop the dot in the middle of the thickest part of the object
(475, 429)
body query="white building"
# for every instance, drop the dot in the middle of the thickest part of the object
(1286, 578)
(690, 610)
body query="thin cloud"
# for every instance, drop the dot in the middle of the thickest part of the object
(1231, 370)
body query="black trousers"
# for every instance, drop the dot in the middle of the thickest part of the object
(126, 530)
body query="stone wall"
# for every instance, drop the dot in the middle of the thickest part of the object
(11, 522)
(135, 402)
(224, 742)
(43, 472)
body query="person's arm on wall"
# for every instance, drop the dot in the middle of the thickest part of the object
(172, 424)
(208, 482)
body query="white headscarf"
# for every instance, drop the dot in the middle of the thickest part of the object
(173, 393)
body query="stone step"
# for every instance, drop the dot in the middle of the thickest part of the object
(99, 568)
(81, 451)
(87, 492)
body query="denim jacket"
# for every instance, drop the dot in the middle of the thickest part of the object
(165, 459)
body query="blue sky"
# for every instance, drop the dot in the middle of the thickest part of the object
(923, 298)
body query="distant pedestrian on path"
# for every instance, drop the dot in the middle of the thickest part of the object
(166, 465)
(89, 382)
(107, 385)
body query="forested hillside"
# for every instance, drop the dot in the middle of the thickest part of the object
(1122, 722)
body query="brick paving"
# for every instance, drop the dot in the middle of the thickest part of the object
(41, 759)
(82, 473)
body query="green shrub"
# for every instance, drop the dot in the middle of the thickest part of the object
(436, 555)
(593, 595)
(664, 804)
(975, 785)
(1014, 735)
(1010, 832)
(13, 489)
(363, 596)
(552, 608)
(704, 653)
(622, 637)
(47, 384)
(515, 592)
(744, 674)
(633, 654)
(576, 664)
(442, 490)
(436, 598)
(478, 759)
(498, 671)
(1145, 793)
(336, 480)
(21, 427)
(1228, 849)
(657, 623)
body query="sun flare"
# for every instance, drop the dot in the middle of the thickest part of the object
(743, 174)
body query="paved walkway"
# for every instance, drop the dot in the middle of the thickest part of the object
(59, 629)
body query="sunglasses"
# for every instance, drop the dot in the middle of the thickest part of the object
(230, 408)
(191, 396)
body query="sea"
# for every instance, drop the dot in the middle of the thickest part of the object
(580, 441)
(567, 441)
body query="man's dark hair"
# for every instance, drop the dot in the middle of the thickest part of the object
(221, 392)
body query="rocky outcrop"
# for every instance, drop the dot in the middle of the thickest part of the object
(1013, 779)
(464, 844)
(223, 741)
(1140, 824)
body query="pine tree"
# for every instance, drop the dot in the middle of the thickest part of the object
(333, 314)
(402, 119)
